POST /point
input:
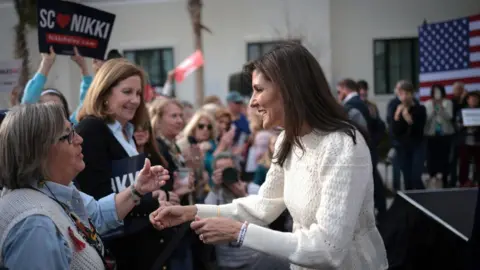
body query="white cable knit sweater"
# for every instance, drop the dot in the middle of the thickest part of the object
(329, 192)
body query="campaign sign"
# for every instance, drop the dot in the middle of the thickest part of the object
(63, 25)
(9, 73)
(125, 171)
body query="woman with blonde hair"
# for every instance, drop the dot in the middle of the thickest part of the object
(112, 108)
(166, 118)
(224, 121)
(211, 108)
(202, 130)
(167, 121)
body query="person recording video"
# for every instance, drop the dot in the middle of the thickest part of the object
(228, 187)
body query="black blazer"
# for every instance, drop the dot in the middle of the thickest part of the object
(141, 244)
(100, 147)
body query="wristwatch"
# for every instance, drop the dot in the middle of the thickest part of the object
(136, 196)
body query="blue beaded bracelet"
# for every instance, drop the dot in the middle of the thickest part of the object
(241, 235)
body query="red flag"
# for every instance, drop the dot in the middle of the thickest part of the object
(148, 93)
(188, 66)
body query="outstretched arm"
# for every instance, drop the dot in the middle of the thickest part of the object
(34, 87)
(347, 180)
(84, 85)
(260, 209)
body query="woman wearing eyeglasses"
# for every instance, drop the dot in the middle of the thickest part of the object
(46, 223)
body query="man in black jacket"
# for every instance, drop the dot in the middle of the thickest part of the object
(358, 112)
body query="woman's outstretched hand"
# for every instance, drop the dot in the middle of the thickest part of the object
(169, 216)
(151, 178)
(216, 230)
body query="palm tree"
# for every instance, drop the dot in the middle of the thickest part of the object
(195, 11)
(27, 17)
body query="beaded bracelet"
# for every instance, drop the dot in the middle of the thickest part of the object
(241, 235)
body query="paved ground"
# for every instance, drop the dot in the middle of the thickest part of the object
(389, 181)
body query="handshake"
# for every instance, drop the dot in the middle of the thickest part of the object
(211, 230)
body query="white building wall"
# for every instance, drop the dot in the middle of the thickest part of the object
(356, 23)
(339, 33)
(166, 23)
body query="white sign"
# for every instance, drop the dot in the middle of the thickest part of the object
(9, 73)
(471, 117)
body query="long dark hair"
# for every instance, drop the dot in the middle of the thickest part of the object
(151, 147)
(439, 87)
(306, 94)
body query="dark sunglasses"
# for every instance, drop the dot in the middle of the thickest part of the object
(144, 127)
(69, 137)
(202, 126)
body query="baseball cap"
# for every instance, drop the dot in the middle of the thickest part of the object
(235, 96)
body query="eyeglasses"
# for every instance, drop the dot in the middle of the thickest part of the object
(69, 137)
(202, 126)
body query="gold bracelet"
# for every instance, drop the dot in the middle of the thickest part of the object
(218, 211)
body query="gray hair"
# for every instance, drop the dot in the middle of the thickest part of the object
(26, 134)
(223, 155)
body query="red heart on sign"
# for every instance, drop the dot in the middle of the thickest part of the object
(63, 20)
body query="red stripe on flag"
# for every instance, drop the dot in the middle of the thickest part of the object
(475, 18)
(475, 64)
(425, 98)
(475, 33)
(475, 49)
(450, 82)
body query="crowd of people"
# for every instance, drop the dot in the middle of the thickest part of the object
(292, 158)
(426, 137)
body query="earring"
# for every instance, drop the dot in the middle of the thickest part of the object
(105, 103)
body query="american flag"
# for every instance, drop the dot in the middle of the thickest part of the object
(450, 52)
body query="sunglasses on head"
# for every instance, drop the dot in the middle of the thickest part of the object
(202, 126)
(68, 137)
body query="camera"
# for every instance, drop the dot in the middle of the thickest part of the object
(192, 140)
(229, 176)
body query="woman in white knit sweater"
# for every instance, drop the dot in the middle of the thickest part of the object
(322, 173)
